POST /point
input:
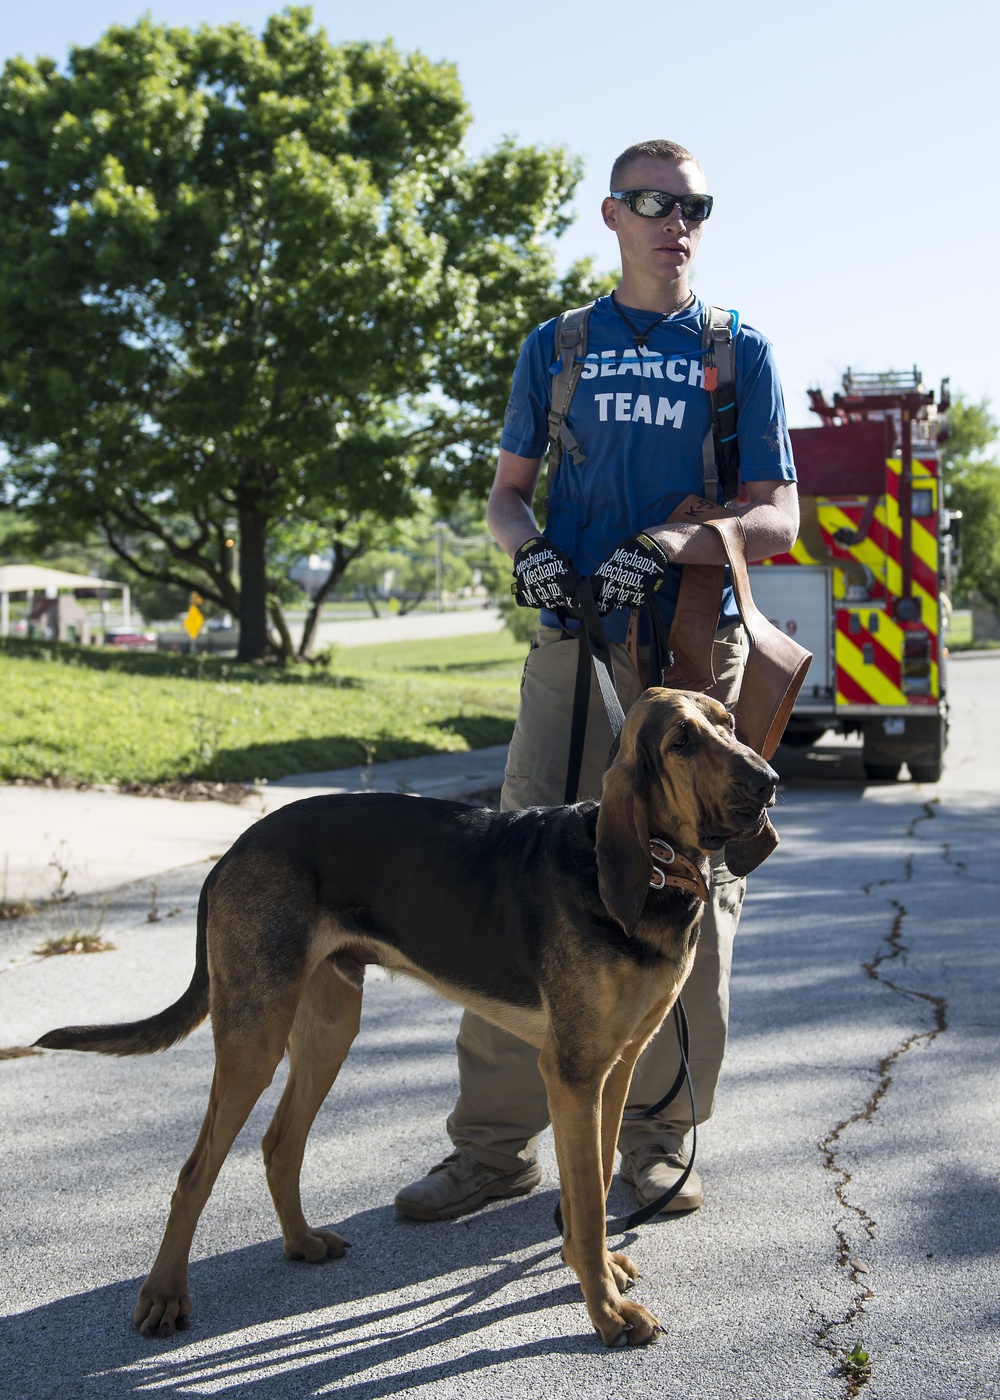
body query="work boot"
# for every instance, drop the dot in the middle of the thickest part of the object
(653, 1169)
(461, 1184)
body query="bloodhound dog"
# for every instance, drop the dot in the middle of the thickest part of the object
(572, 927)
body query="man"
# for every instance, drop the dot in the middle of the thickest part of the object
(640, 413)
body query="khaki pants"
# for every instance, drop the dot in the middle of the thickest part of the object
(502, 1106)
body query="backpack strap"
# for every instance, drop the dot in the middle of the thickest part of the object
(571, 349)
(720, 450)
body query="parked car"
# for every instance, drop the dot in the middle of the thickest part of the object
(128, 637)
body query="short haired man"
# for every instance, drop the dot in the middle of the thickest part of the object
(640, 412)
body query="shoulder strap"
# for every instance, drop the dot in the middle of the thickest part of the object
(571, 350)
(720, 450)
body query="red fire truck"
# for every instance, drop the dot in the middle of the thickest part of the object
(864, 587)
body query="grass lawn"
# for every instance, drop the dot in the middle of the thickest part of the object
(75, 714)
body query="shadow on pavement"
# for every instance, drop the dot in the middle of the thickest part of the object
(420, 1269)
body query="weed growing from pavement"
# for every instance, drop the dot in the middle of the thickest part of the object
(16, 909)
(74, 943)
(70, 925)
(856, 1368)
(59, 863)
(66, 924)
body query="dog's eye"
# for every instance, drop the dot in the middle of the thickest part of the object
(682, 739)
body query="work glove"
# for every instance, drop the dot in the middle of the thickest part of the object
(544, 577)
(630, 575)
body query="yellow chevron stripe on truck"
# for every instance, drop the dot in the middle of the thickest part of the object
(875, 684)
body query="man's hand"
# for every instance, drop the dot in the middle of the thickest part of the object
(630, 574)
(544, 577)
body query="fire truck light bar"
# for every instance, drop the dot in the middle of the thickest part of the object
(860, 385)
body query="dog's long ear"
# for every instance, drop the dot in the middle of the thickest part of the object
(744, 854)
(624, 865)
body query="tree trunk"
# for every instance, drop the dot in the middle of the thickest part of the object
(253, 581)
(281, 627)
(407, 607)
(341, 558)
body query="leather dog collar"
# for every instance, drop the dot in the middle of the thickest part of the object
(684, 874)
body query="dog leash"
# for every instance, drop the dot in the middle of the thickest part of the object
(644, 1213)
(594, 652)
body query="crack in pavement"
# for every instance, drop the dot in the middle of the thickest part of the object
(891, 949)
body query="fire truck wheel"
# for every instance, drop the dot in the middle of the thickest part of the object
(800, 736)
(887, 772)
(926, 772)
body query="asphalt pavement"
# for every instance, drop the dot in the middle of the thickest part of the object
(851, 1177)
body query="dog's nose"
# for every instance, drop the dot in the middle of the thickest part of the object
(761, 783)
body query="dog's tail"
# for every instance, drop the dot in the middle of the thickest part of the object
(157, 1032)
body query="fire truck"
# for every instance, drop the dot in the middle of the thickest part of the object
(865, 585)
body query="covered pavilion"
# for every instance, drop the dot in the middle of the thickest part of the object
(35, 578)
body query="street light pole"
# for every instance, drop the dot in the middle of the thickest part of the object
(438, 563)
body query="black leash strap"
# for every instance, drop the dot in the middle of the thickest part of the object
(595, 652)
(644, 1213)
(684, 1040)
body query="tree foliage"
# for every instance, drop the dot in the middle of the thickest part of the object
(249, 283)
(972, 482)
(418, 559)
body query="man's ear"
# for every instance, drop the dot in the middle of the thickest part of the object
(624, 865)
(745, 853)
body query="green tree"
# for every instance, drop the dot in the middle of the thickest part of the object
(972, 483)
(251, 284)
(412, 559)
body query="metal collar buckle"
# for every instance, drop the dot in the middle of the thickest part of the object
(660, 851)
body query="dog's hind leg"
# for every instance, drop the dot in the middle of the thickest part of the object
(244, 1067)
(326, 1023)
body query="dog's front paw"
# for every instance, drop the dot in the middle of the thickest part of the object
(161, 1311)
(315, 1245)
(642, 1326)
(627, 1324)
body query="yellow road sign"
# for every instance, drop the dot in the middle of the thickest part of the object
(194, 621)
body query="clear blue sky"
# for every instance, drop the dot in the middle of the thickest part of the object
(851, 147)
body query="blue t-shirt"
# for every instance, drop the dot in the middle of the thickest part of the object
(640, 417)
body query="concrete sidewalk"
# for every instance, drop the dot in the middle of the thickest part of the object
(60, 841)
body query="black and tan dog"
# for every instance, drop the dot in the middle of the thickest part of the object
(572, 927)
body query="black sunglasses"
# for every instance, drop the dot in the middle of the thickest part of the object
(657, 204)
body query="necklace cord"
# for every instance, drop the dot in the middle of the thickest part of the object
(640, 338)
